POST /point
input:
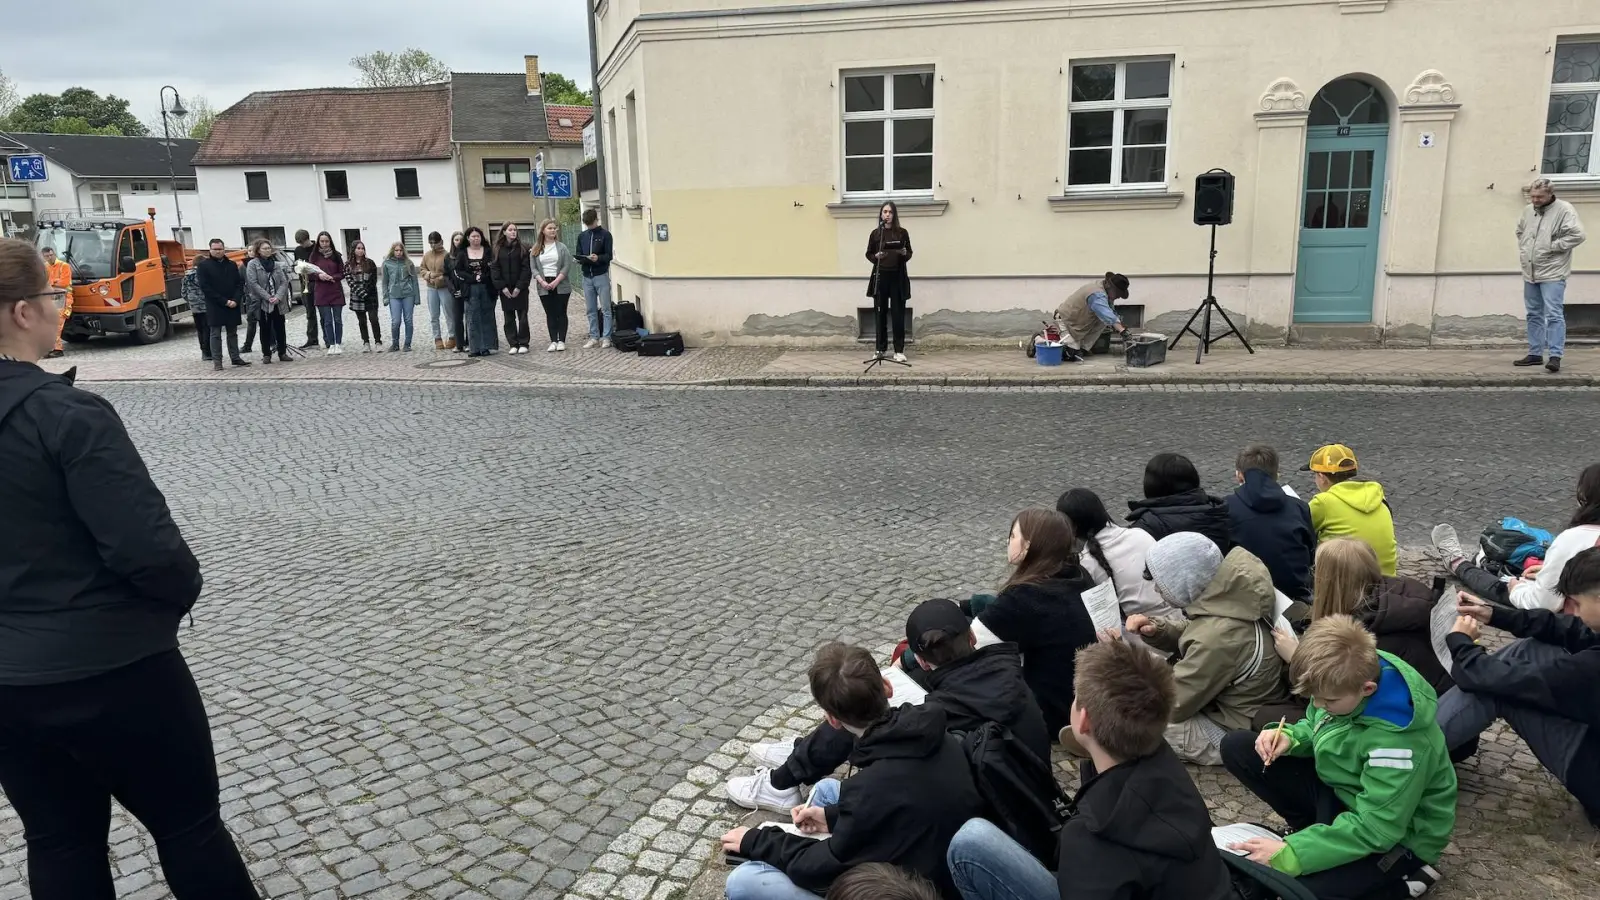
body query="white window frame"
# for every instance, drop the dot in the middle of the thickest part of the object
(1118, 107)
(416, 247)
(144, 187)
(886, 115)
(1582, 87)
(105, 197)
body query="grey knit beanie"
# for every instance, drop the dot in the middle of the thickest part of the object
(1182, 565)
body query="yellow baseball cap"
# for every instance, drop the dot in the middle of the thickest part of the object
(1332, 459)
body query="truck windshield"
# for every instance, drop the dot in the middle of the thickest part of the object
(90, 251)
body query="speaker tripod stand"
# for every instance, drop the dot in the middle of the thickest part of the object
(1206, 306)
(879, 359)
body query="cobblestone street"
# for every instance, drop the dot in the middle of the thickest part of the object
(459, 641)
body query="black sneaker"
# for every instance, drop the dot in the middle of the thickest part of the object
(1529, 360)
(309, 345)
(1554, 365)
(241, 362)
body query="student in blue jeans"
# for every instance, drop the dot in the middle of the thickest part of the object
(594, 253)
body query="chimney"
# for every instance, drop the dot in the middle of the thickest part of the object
(531, 64)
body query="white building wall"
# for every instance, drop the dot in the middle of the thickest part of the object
(297, 199)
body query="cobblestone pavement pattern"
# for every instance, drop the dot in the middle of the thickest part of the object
(458, 641)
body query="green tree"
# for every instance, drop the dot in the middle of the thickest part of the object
(410, 66)
(558, 88)
(75, 107)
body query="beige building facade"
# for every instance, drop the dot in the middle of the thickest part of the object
(1380, 149)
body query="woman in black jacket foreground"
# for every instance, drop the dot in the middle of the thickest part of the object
(1040, 609)
(96, 701)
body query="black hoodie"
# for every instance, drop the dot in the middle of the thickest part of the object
(94, 574)
(1189, 511)
(912, 793)
(1277, 529)
(1142, 832)
(1048, 623)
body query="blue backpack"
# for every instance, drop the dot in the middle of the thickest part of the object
(1510, 543)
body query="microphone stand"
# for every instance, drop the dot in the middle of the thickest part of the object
(879, 359)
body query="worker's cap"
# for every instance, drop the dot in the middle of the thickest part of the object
(1332, 459)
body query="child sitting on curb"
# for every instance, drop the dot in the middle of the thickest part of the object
(1364, 781)
(912, 791)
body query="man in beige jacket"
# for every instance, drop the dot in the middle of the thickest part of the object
(1546, 233)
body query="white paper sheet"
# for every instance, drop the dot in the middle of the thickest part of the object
(1101, 602)
(983, 634)
(906, 691)
(793, 829)
(1280, 605)
(1223, 835)
(1444, 619)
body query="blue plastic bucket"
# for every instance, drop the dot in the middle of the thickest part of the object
(1047, 355)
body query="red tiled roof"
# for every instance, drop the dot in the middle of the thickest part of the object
(331, 125)
(575, 116)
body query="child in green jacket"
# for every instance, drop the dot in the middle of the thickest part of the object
(1364, 781)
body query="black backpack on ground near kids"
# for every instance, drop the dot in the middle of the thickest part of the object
(1253, 881)
(1020, 790)
(625, 316)
(626, 340)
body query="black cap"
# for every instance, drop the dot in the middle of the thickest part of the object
(935, 615)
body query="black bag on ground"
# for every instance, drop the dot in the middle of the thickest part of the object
(667, 343)
(1020, 790)
(1253, 881)
(626, 340)
(625, 315)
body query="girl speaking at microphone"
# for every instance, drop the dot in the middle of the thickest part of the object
(889, 249)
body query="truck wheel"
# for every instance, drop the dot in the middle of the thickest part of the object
(153, 325)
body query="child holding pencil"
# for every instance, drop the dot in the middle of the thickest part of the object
(1364, 781)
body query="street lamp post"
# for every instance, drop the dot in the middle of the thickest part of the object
(172, 176)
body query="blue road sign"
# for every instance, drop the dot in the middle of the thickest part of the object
(557, 185)
(27, 167)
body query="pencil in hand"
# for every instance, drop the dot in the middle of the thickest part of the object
(1276, 733)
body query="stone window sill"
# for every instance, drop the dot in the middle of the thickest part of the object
(868, 209)
(1586, 189)
(1101, 201)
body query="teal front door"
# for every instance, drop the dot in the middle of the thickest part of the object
(1338, 261)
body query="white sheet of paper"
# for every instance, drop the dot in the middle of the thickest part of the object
(905, 690)
(983, 634)
(793, 829)
(1101, 602)
(1223, 835)
(1280, 605)
(1444, 619)
(1290, 491)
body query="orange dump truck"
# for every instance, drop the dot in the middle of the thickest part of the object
(125, 278)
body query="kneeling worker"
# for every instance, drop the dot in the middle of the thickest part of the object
(1087, 313)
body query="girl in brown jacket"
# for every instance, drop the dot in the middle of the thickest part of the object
(434, 272)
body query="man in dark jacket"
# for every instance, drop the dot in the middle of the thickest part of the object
(223, 287)
(912, 791)
(972, 686)
(1141, 829)
(303, 246)
(1271, 524)
(594, 252)
(1546, 685)
(1174, 502)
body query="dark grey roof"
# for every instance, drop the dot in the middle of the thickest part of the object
(7, 143)
(487, 107)
(106, 156)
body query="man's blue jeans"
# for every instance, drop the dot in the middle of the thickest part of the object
(987, 865)
(1547, 318)
(597, 300)
(759, 881)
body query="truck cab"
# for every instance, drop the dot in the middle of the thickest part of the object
(125, 279)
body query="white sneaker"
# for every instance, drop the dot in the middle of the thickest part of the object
(1418, 882)
(771, 755)
(377, 348)
(756, 792)
(552, 348)
(328, 350)
(1446, 544)
(605, 344)
(590, 344)
(899, 357)
(561, 345)
(336, 349)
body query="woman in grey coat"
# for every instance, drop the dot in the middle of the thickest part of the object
(266, 297)
(551, 262)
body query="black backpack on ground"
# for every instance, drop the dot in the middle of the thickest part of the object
(667, 343)
(626, 340)
(1253, 881)
(625, 315)
(1020, 790)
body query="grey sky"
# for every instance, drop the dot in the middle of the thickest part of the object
(226, 55)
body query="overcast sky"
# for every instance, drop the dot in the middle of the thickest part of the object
(226, 55)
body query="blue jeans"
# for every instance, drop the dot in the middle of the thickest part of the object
(1547, 320)
(597, 300)
(759, 881)
(441, 303)
(988, 865)
(332, 325)
(400, 312)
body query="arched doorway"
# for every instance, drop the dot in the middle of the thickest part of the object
(1346, 138)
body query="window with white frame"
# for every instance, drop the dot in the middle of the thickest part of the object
(104, 197)
(1569, 127)
(144, 187)
(411, 239)
(888, 133)
(1117, 123)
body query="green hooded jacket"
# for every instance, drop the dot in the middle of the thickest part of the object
(1357, 509)
(1388, 765)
